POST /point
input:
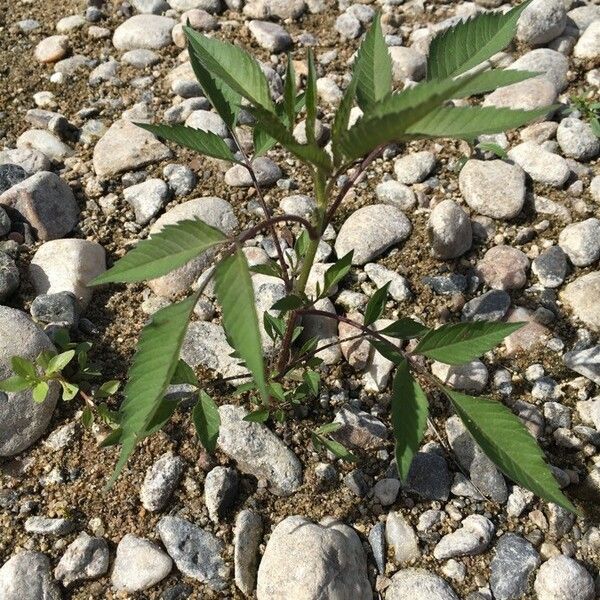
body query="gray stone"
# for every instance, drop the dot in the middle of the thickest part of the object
(298, 204)
(398, 289)
(359, 429)
(267, 173)
(491, 306)
(577, 140)
(220, 491)
(27, 576)
(258, 451)
(473, 537)
(414, 167)
(468, 377)
(493, 188)
(378, 367)
(9, 277)
(418, 584)
(308, 560)
(212, 211)
(378, 545)
(581, 242)
(429, 477)
(585, 362)
(396, 193)
(85, 558)
(582, 296)
(211, 6)
(49, 526)
(144, 31)
(348, 26)
(160, 481)
(181, 179)
(44, 201)
(551, 63)
(247, 539)
(514, 562)
(370, 231)
(271, 36)
(139, 564)
(31, 160)
(449, 230)
(22, 421)
(562, 578)
(140, 58)
(5, 224)
(541, 165)
(207, 120)
(588, 45)
(386, 491)
(67, 266)
(196, 552)
(550, 267)
(46, 142)
(529, 94)
(407, 63)
(146, 198)
(503, 268)
(11, 175)
(126, 147)
(51, 49)
(402, 538)
(279, 9)
(541, 22)
(55, 308)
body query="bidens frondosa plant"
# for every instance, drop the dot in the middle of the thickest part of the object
(233, 81)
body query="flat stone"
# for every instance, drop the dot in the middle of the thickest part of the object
(51, 49)
(581, 242)
(396, 193)
(469, 377)
(359, 429)
(525, 95)
(582, 296)
(554, 66)
(402, 538)
(274, 9)
(139, 564)
(271, 36)
(418, 584)
(45, 142)
(491, 306)
(126, 147)
(29, 159)
(67, 266)
(562, 578)
(550, 267)
(27, 576)
(504, 268)
(44, 201)
(449, 230)
(196, 552)
(541, 165)
(207, 120)
(473, 537)
(429, 477)
(356, 351)
(85, 558)
(144, 31)
(267, 173)
(370, 231)
(493, 188)
(49, 526)
(529, 336)
(258, 451)
(247, 539)
(414, 167)
(220, 491)
(398, 289)
(585, 362)
(146, 198)
(305, 560)
(160, 481)
(22, 421)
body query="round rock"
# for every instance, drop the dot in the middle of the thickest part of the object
(581, 242)
(27, 576)
(144, 31)
(577, 140)
(582, 296)
(562, 578)
(418, 584)
(449, 229)
(541, 22)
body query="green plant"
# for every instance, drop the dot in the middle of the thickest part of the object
(589, 109)
(71, 369)
(232, 80)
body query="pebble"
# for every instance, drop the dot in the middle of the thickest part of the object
(22, 421)
(267, 173)
(46, 143)
(359, 429)
(581, 242)
(196, 552)
(550, 267)
(9, 277)
(418, 584)
(378, 545)
(10, 175)
(139, 564)
(407, 63)
(258, 451)
(85, 558)
(588, 45)
(449, 230)
(542, 166)
(370, 231)
(429, 477)
(207, 120)
(541, 22)
(504, 268)
(146, 199)
(67, 266)
(473, 537)
(386, 491)
(577, 139)
(348, 26)
(271, 36)
(304, 560)
(160, 481)
(29, 159)
(402, 538)
(49, 526)
(27, 576)
(469, 377)
(144, 31)
(140, 58)
(398, 289)
(396, 193)
(181, 179)
(530, 94)
(247, 538)
(52, 49)
(587, 363)
(493, 188)
(414, 167)
(562, 578)
(491, 306)
(582, 296)
(220, 491)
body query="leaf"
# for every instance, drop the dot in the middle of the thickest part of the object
(488, 81)
(410, 410)
(387, 350)
(204, 142)
(337, 449)
(373, 67)
(108, 388)
(23, 367)
(59, 362)
(405, 329)
(471, 42)
(336, 273)
(289, 93)
(184, 374)
(40, 391)
(506, 441)
(468, 122)
(273, 125)
(112, 439)
(223, 99)
(172, 247)
(496, 149)
(460, 343)
(274, 326)
(87, 417)
(234, 290)
(206, 421)
(288, 303)
(166, 409)
(311, 98)
(312, 380)
(328, 428)
(151, 372)
(232, 65)
(257, 416)
(70, 390)
(14, 384)
(341, 120)
(376, 304)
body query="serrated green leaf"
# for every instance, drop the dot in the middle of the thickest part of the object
(311, 98)
(184, 374)
(488, 81)
(276, 128)
(165, 410)
(14, 384)
(151, 372)
(289, 93)
(468, 122)
(172, 247)
(342, 119)
(40, 391)
(373, 67)
(471, 42)
(328, 428)
(336, 273)
(234, 290)
(206, 421)
(204, 142)
(460, 343)
(410, 410)
(257, 416)
(59, 362)
(233, 66)
(506, 441)
(405, 329)
(23, 367)
(376, 304)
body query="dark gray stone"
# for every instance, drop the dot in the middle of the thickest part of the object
(446, 284)
(4, 222)
(9, 277)
(11, 175)
(551, 267)
(55, 308)
(377, 543)
(429, 476)
(491, 306)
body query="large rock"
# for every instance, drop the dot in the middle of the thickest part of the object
(22, 421)
(213, 211)
(370, 231)
(46, 202)
(449, 229)
(306, 561)
(67, 266)
(541, 165)
(258, 451)
(125, 147)
(27, 576)
(562, 578)
(551, 63)
(144, 31)
(581, 242)
(525, 95)
(45, 142)
(85, 558)
(493, 188)
(585, 362)
(542, 21)
(418, 584)
(582, 296)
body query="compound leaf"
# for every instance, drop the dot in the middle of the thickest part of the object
(491, 80)
(405, 329)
